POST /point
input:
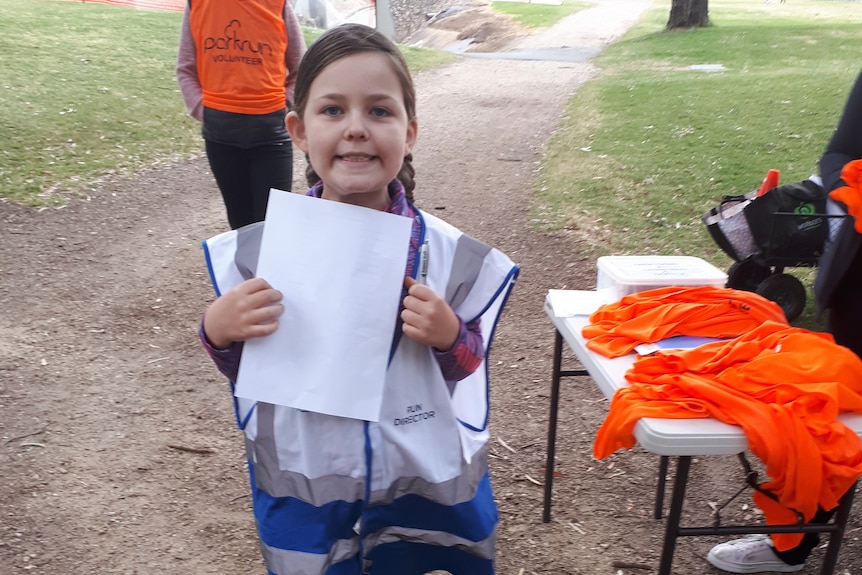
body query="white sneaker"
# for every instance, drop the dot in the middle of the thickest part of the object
(751, 554)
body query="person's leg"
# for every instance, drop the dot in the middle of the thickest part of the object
(751, 554)
(270, 167)
(230, 166)
(845, 311)
(756, 554)
(800, 553)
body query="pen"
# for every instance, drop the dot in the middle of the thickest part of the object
(423, 263)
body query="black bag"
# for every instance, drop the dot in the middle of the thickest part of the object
(788, 221)
(785, 223)
(729, 228)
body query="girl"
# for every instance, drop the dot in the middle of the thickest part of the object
(408, 494)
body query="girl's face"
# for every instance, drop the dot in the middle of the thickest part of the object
(355, 129)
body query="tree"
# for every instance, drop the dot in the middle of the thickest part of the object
(688, 14)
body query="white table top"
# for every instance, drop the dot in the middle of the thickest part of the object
(661, 436)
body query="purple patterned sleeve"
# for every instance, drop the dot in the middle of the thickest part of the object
(226, 360)
(466, 355)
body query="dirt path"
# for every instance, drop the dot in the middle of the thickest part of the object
(118, 448)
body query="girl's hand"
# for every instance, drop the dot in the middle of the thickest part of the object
(427, 317)
(249, 310)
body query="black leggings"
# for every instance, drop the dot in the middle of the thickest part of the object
(245, 175)
(800, 553)
(845, 308)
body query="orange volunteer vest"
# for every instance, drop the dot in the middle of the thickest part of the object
(240, 54)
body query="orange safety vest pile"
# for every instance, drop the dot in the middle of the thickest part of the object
(649, 316)
(784, 386)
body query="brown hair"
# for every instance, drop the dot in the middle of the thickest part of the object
(346, 40)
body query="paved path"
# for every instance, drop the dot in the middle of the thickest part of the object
(578, 37)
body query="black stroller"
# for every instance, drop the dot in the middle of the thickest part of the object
(766, 232)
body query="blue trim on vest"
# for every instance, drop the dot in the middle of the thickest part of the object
(210, 269)
(404, 558)
(369, 459)
(508, 285)
(474, 520)
(348, 567)
(241, 422)
(290, 524)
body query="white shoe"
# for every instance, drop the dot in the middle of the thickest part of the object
(751, 554)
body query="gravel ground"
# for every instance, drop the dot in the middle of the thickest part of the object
(117, 441)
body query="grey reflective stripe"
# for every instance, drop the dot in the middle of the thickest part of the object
(285, 562)
(457, 490)
(466, 266)
(483, 549)
(247, 249)
(282, 483)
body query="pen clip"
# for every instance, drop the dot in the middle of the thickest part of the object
(423, 263)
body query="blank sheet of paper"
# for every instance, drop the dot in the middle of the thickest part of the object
(340, 269)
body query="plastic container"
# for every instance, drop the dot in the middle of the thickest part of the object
(625, 275)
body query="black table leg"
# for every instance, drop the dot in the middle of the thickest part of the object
(672, 528)
(662, 481)
(837, 537)
(552, 426)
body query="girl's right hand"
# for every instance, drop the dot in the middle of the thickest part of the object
(249, 310)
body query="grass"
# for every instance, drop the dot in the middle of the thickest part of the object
(649, 145)
(88, 90)
(538, 15)
(642, 152)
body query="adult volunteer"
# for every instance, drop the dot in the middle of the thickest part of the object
(235, 69)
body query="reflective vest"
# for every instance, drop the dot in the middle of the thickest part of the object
(408, 494)
(241, 49)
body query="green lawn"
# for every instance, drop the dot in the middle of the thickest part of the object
(653, 142)
(539, 15)
(643, 150)
(88, 90)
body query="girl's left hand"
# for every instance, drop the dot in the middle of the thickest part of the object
(427, 317)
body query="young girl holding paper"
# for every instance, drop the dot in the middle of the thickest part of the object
(409, 493)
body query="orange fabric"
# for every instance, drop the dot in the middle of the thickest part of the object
(851, 194)
(241, 50)
(649, 316)
(769, 182)
(784, 386)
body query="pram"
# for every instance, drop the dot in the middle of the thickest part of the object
(769, 230)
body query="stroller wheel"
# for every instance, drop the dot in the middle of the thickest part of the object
(786, 291)
(747, 275)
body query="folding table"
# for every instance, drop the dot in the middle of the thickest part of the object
(679, 438)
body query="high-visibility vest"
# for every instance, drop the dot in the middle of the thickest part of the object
(408, 494)
(241, 50)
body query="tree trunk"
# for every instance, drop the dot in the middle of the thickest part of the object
(688, 14)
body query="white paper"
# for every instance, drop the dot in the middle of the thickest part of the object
(568, 303)
(676, 343)
(340, 269)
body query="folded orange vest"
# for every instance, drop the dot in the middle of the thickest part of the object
(784, 386)
(649, 316)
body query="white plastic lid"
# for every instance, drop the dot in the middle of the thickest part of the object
(667, 270)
